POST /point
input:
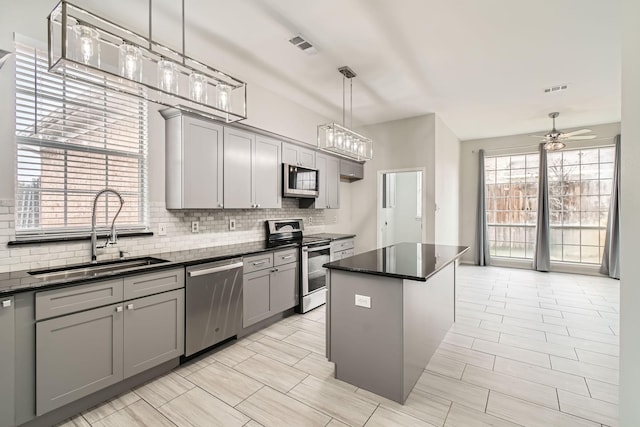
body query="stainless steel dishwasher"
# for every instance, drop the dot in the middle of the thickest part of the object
(213, 304)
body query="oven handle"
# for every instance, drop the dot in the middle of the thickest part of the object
(226, 267)
(315, 248)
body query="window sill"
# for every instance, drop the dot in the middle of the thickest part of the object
(556, 266)
(75, 238)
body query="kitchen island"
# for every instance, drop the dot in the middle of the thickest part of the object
(388, 310)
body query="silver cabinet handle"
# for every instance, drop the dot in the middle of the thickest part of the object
(220, 205)
(6, 303)
(129, 306)
(226, 267)
(119, 309)
(287, 257)
(275, 270)
(258, 263)
(258, 205)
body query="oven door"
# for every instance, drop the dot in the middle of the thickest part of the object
(313, 274)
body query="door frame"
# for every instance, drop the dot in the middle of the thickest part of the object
(379, 200)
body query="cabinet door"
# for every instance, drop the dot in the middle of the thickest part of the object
(284, 288)
(7, 361)
(321, 164)
(238, 152)
(202, 168)
(333, 182)
(154, 331)
(267, 165)
(306, 157)
(289, 154)
(77, 355)
(255, 297)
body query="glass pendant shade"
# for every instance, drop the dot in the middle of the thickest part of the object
(167, 76)
(198, 88)
(130, 62)
(222, 96)
(86, 45)
(554, 145)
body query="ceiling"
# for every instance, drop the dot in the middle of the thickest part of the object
(481, 65)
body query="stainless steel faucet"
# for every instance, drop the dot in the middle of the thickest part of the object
(112, 238)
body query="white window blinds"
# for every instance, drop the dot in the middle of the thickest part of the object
(73, 140)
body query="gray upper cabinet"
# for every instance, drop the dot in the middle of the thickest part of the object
(329, 182)
(350, 170)
(295, 155)
(194, 162)
(77, 355)
(267, 175)
(7, 362)
(238, 149)
(154, 331)
(252, 170)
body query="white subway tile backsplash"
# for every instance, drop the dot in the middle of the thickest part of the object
(214, 231)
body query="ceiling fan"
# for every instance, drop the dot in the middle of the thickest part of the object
(554, 140)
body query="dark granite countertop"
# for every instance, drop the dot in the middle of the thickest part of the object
(21, 281)
(412, 261)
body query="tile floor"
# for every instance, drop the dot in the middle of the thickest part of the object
(528, 348)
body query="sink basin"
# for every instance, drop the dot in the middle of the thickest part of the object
(94, 270)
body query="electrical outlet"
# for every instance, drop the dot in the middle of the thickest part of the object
(310, 220)
(195, 226)
(232, 224)
(162, 229)
(363, 301)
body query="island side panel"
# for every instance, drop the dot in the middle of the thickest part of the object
(366, 343)
(428, 316)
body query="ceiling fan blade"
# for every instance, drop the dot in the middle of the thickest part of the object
(576, 138)
(538, 136)
(577, 132)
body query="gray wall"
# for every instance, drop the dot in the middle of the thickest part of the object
(447, 172)
(630, 231)
(513, 144)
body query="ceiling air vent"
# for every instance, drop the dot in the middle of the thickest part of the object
(555, 88)
(302, 44)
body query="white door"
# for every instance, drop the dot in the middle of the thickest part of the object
(400, 212)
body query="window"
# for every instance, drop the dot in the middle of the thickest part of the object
(579, 195)
(511, 200)
(73, 140)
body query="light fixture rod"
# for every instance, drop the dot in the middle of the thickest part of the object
(183, 44)
(343, 101)
(150, 24)
(351, 103)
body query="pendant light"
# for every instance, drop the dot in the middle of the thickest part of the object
(87, 47)
(339, 139)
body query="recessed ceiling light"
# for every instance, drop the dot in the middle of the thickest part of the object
(303, 44)
(555, 88)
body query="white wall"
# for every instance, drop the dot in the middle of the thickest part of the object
(399, 144)
(503, 145)
(630, 228)
(447, 192)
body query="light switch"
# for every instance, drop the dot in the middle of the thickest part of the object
(363, 301)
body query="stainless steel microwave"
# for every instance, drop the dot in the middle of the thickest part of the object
(298, 181)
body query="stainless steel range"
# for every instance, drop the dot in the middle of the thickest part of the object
(315, 251)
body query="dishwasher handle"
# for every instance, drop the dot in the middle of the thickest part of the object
(196, 273)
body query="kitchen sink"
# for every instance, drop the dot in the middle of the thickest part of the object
(94, 270)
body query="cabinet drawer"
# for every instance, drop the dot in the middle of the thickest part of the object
(285, 257)
(153, 283)
(257, 262)
(57, 302)
(341, 245)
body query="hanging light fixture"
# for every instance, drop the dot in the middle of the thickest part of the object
(339, 139)
(87, 47)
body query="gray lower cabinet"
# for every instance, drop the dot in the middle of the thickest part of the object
(329, 182)
(193, 162)
(7, 362)
(342, 248)
(153, 331)
(270, 290)
(77, 355)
